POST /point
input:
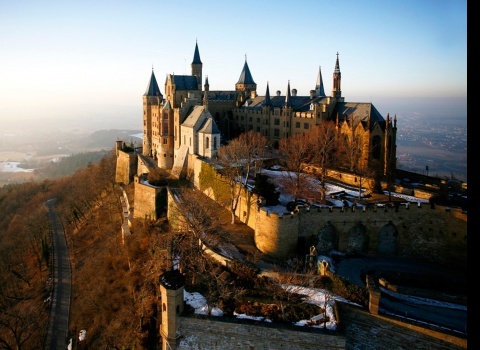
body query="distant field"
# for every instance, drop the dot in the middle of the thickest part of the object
(12, 156)
(441, 163)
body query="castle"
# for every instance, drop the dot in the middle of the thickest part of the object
(191, 121)
(184, 129)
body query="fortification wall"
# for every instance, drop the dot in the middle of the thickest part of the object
(276, 235)
(126, 167)
(145, 200)
(412, 231)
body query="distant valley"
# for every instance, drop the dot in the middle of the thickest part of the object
(439, 143)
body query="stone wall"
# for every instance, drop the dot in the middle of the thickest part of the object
(387, 230)
(276, 235)
(126, 167)
(145, 199)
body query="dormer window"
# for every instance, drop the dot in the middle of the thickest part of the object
(311, 106)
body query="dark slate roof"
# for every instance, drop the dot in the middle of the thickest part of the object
(196, 56)
(245, 76)
(298, 103)
(152, 88)
(185, 82)
(209, 127)
(172, 279)
(222, 95)
(364, 113)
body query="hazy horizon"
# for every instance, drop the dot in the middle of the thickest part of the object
(89, 59)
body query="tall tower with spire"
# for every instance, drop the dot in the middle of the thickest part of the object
(197, 66)
(337, 79)
(152, 99)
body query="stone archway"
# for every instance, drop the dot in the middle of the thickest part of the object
(388, 240)
(327, 238)
(357, 239)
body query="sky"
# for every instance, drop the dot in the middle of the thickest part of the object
(64, 61)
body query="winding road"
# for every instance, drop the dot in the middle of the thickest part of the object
(57, 337)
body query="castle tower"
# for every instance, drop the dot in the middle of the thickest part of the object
(205, 95)
(245, 86)
(165, 147)
(197, 67)
(390, 155)
(337, 78)
(172, 296)
(152, 99)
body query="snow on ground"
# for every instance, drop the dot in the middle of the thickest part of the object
(330, 189)
(319, 297)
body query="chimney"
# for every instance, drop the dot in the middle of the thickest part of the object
(279, 93)
(294, 92)
(312, 94)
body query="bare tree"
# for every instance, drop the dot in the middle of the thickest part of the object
(237, 162)
(351, 149)
(196, 228)
(298, 152)
(325, 146)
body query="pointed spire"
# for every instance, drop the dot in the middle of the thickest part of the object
(205, 95)
(245, 76)
(337, 65)
(319, 90)
(288, 98)
(196, 55)
(267, 102)
(152, 88)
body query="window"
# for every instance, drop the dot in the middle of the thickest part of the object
(165, 141)
(276, 132)
(207, 143)
(297, 125)
(276, 121)
(215, 142)
(305, 125)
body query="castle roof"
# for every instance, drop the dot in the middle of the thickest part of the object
(184, 82)
(361, 112)
(298, 103)
(209, 127)
(245, 76)
(196, 55)
(152, 88)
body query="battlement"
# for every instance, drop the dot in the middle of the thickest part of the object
(375, 230)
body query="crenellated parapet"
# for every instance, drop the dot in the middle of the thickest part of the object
(404, 230)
